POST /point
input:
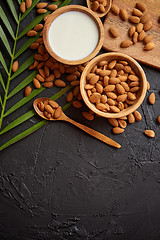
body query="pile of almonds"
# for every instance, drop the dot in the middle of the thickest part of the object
(112, 86)
(142, 24)
(98, 5)
(50, 109)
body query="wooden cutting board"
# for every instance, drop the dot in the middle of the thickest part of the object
(136, 51)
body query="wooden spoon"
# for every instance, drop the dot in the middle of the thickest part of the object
(107, 8)
(86, 129)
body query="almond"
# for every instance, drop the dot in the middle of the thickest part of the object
(76, 91)
(75, 83)
(28, 3)
(32, 33)
(131, 96)
(34, 65)
(134, 89)
(147, 26)
(141, 6)
(121, 106)
(41, 11)
(71, 77)
(137, 12)
(95, 6)
(36, 83)
(151, 98)
(88, 86)
(122, 78)
(113, 31)
(113, 122)
(103, 99)
(117, 130)
(53, 104)
(114, 80)
(132, 31)
(69, 97)
(109, 88)
(112, 64)
(40, 78)
(111, 102)
(139, 27)
(41, 106)
(134, 84)
(101, 106)
(94, 79)
(52, 7)
(88, 116)
(149, 133)
(15, 66)
(111, 95)
(119, 67)
(135, 37)
(99, 88)
(120, 89)
(115, 9)
(104, 73)
(101, 8)
(134, 19)
(41, 72)
(38, 57)
(46, 71)
(148, 38)
(50, 78)
(131, 118)
(94, 97)
(137, 116)
(60, 83)
(125, 86)
(122, 98)
(126, 43)
(141, 36)
(71, 69)
(58, 112)
(149, 46)
(49, 109)
(28, 90)
(133, 78)
(47, 114)
(158, 119)
(77, 104)
(23, 7)
(123, 14)
(145, 18)
(41, 5)
(48, 84)
(114, 109)
(148, 85)
(34, 46)
(122, 123)
(38, 27)
(102, 63)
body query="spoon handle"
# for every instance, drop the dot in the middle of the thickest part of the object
(94, 133)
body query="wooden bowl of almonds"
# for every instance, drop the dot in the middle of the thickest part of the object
(113, 85)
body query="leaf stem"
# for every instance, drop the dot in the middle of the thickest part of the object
(9, 73)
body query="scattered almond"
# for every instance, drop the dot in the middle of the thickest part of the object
(41, 11)
(48, 84)
(158, 119)
(145, 18)
(141, 6)
(41, 5)
(149, 133)
(134, 19)
(88, 116)
(28, 90)
(131, 118)
(147, 26)
(32, 33)
(69, 97)
(77, 104)
(38, 27)
(151, 98)
(28, 3)
(23, 7)
(36, 83)
(126, 43)
(60, 83)
(149, 46)
(148, 85)
(15, 66)
(148, 38)
(137, 116)
(52, 7)
(123, 14)
(113, 122)
(117, 130)
(113, 31)
(115, 9)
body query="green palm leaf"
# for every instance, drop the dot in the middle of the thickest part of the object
(27, 45)
(1, 100)
(5, 40)
(6, 22)
(23, 84)
(3, 62)
(2, 82)
(19, 1)
(23, 67)
(66, 2)
(13, 10)
(23, 101)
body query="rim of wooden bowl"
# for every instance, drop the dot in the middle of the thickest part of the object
(65, 9)
(107, 8)
(135, 66)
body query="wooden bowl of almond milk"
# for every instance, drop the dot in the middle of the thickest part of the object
(73, 34)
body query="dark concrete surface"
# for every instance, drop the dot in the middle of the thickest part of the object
(61, 184)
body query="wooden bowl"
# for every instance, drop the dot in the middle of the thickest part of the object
(134, 65)
(65, 9)
(107, 8)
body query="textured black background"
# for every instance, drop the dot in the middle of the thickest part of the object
(61, 184)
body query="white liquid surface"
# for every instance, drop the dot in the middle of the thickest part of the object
(73, 35)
